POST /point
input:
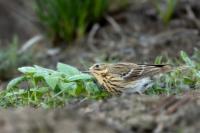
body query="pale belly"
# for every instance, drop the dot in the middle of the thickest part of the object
(139, 86)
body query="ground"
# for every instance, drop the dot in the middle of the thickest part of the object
(125, 114)
(137, 35)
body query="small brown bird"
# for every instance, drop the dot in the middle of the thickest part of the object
(129, 77)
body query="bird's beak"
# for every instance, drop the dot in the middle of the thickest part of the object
(88, 71)
(85, 71)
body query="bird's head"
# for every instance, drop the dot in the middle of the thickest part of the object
(99, 68)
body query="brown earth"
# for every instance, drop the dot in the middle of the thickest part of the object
(125, 114)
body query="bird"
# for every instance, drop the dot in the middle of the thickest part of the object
(117, 78)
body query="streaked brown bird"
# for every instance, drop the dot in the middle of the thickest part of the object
(129, 77)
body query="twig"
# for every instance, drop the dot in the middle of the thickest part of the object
(30, 43)
(192, 16)
(91, 36)
(114, 24)
(176, 105)
(159, 128)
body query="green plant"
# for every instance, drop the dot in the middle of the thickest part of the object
(10, 59)
(68, 19)
(184, 77)
(49, 88)
(165, 9)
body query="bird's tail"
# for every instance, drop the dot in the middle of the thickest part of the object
(169, 68)
(166, 68)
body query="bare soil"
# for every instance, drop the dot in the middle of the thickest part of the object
(125, 114)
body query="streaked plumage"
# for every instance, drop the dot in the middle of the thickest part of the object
(119, 77)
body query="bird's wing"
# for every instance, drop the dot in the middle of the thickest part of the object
(121, 69)
(131, 71)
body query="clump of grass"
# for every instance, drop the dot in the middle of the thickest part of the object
(165, 9)
(69, 19)
(10, 59)
(49, 88)
(186, 77)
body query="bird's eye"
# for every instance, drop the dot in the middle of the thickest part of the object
(97, 66)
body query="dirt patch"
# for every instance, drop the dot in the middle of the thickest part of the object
(58, 121)
(125, 114)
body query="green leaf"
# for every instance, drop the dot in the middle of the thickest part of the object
(13, 83)
(198, 74)
(70, 87)
(27, 70)
(187, 60)
(42, 70)
(67, 86)
(92, 88)
(67, 69)
(80, 77)
(80, 90)
(158, 60)
(46, 73)
(188, 80)
(40, 90)
(51, 81)
(19, 92)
